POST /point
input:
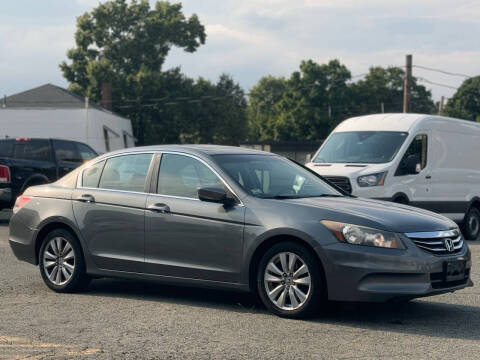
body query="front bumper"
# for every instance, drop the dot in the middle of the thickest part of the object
(361, 273)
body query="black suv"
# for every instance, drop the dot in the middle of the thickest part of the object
(25, 162)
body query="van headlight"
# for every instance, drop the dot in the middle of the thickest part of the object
(360, 235)
(377, 179)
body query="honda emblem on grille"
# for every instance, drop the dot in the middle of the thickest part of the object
(449, 245)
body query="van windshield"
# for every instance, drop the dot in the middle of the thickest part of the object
(368, 147)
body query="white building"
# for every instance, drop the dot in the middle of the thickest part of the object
(50, 111)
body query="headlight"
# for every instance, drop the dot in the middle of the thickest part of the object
(360, 235)
(372, 180)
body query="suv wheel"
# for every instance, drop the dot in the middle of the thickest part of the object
(289, 281)
(61, 262)
(471, 227)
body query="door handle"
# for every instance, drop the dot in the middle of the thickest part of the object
(161, 208)
(86, 198)
(428, 177)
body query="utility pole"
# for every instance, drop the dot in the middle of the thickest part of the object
(441, 105)
(382, 107)
(407, 85)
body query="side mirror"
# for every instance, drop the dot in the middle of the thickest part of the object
(211, 194)
(413, 165)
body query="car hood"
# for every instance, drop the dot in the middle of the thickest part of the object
(349, 170)
(377, 214)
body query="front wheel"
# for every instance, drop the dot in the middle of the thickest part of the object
(61, 262)
(471, 227)
(289, 281)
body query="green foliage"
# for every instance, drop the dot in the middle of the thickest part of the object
(465, 104)
(315, 99)
(125, 43)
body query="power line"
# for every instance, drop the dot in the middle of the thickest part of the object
(435, 83)
(442, 71)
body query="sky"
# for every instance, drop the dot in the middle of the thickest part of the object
(252, 38)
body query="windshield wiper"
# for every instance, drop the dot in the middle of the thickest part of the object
(328, 195)
(283, 197)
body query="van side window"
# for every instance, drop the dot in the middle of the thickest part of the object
(417, 150)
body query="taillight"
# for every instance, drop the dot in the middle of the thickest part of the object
(21, 201)
(4, 174)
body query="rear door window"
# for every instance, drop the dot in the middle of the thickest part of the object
(37, 150)
(126, 172)
(66, 151)
(6, 148)
(85, 151)
(91, 175)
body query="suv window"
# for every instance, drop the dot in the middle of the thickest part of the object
(91, 175)
(182, 176)
(418, 147)
(86, 152)
(38, 150)
(6, 148)
(126, 172)
(66, 151)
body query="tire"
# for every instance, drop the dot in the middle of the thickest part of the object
(471, 226)
(401, 200)
(295, 297)
(60, 250)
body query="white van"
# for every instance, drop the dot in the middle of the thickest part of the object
(432, 162)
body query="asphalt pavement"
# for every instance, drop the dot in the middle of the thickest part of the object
(122, 319)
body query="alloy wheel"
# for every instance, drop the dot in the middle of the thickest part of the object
(59, 261)
(287, 281)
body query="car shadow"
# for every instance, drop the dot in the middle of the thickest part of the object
(425, 317)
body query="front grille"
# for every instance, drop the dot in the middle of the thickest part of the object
(342, 182)
(439, 242)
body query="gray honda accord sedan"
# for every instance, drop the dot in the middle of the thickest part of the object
(235, 218)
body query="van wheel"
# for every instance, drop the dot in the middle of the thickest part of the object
(61, 262)
(289, 281)
(471, 226)
(401, 200)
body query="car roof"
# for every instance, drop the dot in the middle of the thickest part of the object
(196, 149)
(381, 122)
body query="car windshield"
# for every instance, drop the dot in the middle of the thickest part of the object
(370, 147)
(272, 177)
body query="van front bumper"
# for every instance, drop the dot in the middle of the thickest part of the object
(361, 273)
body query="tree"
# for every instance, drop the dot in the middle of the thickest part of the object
(465, 103)
(385, 85)
(125, 43)
(298, 108)
(316, 98)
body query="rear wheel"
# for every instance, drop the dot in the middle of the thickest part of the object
(61, 262)
(471, 226)
(289, 281)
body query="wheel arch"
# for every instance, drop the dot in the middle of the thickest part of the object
(35, 179)
(401, 195)
(268, 242)
(49, 226)
(475, 202)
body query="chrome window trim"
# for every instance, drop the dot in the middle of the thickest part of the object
(155, 152)
(434, 234)
(80, 177)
